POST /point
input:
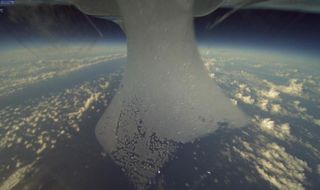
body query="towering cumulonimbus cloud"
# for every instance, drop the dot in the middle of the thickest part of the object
(165, 76)
(166, 96)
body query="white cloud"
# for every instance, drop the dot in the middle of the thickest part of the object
(87, 104)
(302, 113)
(276, 108)
(274, 164)
(266, 124)
(263, 104)
(271, 93)
(294, 87)
(242, 87)
(15, 178)
(297, 105)
(104, 86)
(281, 131)
(42, 148)
(246, 99)
(234, 102)
(209, 63)
(36, 70)
(22, 125)
(316, 121)
(281, 169)
(212, 75)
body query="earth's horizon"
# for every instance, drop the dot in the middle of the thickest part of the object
(50, 102)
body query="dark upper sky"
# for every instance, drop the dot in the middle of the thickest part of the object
(266, 28)
(269, 28)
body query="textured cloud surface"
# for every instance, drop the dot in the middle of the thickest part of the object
(34, 126)
(270, 145)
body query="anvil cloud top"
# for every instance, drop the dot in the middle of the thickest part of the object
(201, 7)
